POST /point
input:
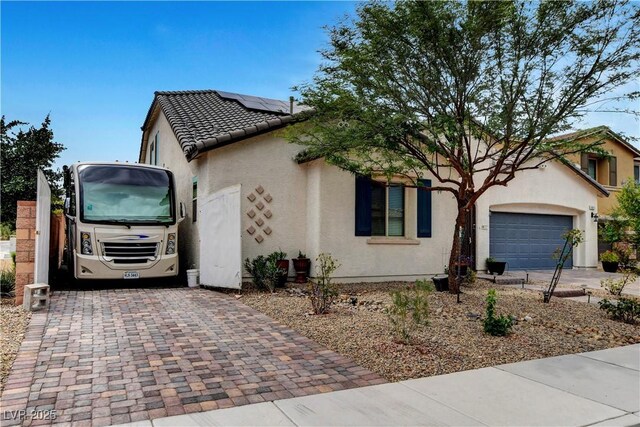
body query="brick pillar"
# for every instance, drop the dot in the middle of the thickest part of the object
(25, 246)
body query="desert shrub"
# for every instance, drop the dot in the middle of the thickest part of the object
(609, 256)
(5, 231)
(624, 309)
(13, 258)
(322, 291)
(8, 282)
(616, 286)
(409, 310)
(264, 270)
(495, 325)
(471, 276)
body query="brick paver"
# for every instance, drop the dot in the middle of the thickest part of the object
(115, 356)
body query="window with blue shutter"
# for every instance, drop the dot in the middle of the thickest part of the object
(363, 206)
(424, 209)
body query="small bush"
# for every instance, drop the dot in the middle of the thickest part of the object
(609, 256)
(624, 309)
(6, 231)
(616, 286)
(322, 291)
(495, 325)
(409, 310)
(471, 277)
(8, 282)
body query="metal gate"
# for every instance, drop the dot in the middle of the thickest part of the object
(220, 239)
(43, 223)
(528, 241)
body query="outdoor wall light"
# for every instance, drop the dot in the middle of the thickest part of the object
(594, 216)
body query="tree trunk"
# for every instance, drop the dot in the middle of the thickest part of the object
(454, 284)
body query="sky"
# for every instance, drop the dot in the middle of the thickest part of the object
(93, 66)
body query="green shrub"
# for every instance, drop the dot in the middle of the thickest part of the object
(470, 277)
(6, 231)
(616, 286)
(495, 325)
(322, 291)
(609, 256)
(8, 282)
(409, 310)
(13, 258)
(625, 309)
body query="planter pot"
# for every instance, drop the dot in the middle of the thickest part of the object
(441, 283)
(283, 266)
(302, 266)
(610, 266)
(496, 267)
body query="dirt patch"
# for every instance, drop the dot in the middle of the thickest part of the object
(454, 341)
(13, 323)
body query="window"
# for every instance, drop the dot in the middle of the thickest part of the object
(153, 151)
(636, 173)
(592, 168)
(194, 202)
(379, 208)
(387, 210)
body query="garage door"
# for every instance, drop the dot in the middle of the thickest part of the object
(528, 241)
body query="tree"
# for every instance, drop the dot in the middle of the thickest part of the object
(624, 224)
(470, 92)
(22, 154)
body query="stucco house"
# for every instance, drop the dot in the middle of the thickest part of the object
(250, 196)
(612, 172)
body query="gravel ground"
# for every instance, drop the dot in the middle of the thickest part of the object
(13, 323)
(454, 340)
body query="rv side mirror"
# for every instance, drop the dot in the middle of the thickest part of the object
(182, 211)
(67, 203)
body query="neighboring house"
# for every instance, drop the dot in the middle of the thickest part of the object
(622, 165)
(246, 191)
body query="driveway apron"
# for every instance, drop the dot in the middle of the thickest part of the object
(114, 356)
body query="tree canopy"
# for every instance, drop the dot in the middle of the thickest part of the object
(470, 92)
(22, 154)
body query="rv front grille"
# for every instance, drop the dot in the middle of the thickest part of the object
(126, 251)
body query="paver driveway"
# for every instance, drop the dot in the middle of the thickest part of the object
(114, 356)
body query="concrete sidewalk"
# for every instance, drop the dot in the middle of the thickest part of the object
(597, 388)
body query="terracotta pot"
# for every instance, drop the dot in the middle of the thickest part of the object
(302, 266)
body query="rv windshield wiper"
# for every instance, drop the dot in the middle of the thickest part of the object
(121, 221)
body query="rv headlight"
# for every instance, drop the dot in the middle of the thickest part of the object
(85, 244)
(171, 244)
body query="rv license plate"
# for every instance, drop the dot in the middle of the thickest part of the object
(131, 275)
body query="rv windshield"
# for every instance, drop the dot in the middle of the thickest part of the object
(125, 194)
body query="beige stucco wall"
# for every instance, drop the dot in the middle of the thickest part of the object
(265, 161)
(624, 165)
(367, 258)
(554, 189)
(170, 155)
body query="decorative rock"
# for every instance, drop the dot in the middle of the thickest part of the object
(528, 318)
(473, 316)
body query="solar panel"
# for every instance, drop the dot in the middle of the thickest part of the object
(258, 103)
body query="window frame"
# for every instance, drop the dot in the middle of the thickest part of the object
(386, 210)
(594, 161)
(636, 172)
(194, 198)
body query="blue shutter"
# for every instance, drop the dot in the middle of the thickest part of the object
(363, 206)
(424, 209)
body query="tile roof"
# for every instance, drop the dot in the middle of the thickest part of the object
(206, 119)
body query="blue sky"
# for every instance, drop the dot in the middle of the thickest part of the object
(94, 66)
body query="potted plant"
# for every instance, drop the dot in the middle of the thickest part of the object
(281, 261)
(494, 266)
(610, 261)
(302, 266)
(442, 283)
